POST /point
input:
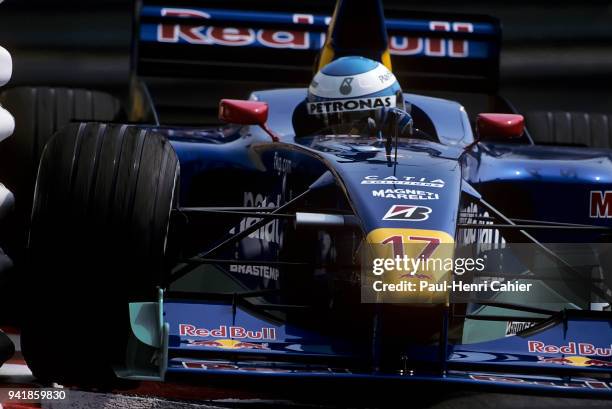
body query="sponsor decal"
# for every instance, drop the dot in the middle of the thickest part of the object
(282, 165)
(452, 48)
(514, 327)
(576, 361)
(226, 344)
(484, 239)
(198, 32)
(601, 204)
(408, 213)
(345, 86)
(402, 180)
(397, 238)
(357, 86)
(397, 243)
(407, 194)
(266, 272)
(572, 348)
(591, 384)
(226, 36)
(269, 233)
(224, 331)
(350, 105)
(416, 244)
(388, 76)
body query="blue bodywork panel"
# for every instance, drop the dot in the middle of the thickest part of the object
(213, 339)
(536, 178)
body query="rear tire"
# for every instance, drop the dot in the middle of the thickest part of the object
(570, 128)
(39, 112)
(99, 226)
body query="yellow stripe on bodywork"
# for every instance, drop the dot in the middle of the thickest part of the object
(386, 59)
(327, 53)
(379, 235)
(413, 244)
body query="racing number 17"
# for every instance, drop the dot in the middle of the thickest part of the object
(398, 245)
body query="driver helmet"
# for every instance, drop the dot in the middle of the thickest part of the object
(348, 91)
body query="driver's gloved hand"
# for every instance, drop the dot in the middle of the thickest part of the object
(388, 120)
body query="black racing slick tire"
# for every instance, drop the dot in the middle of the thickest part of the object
(100, 220)
(593, 130)
(7, 349)
(39, 112)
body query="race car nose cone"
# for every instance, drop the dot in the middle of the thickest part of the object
(6, 66)
(7, 124)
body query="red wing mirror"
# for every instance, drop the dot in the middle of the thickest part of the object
(240, 112)
(499, 126)
(236, 111)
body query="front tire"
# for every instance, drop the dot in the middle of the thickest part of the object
(99, 225)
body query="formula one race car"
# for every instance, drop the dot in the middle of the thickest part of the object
(159, 248)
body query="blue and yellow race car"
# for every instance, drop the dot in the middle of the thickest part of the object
(277, 246)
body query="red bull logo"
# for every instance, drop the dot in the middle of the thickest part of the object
(598, 362)
(561, 361)
(572, 348)
(226, 344)
(576, 361)
(224, 331)
(202, 27)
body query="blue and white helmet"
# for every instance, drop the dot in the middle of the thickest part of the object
(351, 89)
